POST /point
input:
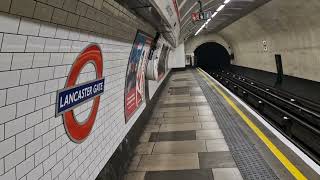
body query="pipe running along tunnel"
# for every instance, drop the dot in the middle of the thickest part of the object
(212, 56)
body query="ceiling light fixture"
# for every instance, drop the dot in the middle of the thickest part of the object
(212, 16)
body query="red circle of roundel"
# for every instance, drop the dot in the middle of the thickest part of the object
(76, 131)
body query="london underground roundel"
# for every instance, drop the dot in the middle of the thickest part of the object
(74, 95)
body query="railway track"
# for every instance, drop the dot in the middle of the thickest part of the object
(296, 118)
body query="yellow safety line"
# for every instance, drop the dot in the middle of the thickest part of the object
(282, 158)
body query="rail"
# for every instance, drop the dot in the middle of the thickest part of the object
(296, 122)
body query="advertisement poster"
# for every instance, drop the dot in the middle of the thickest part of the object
(135, 75)
(162, 62)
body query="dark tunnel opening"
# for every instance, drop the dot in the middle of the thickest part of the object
(212, 56)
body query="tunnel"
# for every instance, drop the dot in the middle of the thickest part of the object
(212, 55)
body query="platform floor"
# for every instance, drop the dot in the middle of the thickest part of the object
(184, 141)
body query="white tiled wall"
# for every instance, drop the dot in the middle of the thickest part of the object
(39, 41)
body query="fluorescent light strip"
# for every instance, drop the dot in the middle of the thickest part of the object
(212, 16)
(220, 7)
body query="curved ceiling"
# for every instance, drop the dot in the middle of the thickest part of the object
(234, 10)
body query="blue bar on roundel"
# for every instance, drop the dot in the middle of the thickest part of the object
(70, 98)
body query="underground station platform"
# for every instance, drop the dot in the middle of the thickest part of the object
(200, 130)
(159, 90)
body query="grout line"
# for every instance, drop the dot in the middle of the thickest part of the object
(1, 41)
(153, 146)
(205, 141)
(138, 162)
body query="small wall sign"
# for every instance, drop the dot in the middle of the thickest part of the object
(196, 16)
(265, 45)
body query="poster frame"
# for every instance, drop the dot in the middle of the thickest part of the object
(139, 31)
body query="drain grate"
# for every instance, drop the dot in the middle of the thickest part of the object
(250, 163)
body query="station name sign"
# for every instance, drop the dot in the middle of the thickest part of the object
(71, 98)
(199, 16)
(74, 95)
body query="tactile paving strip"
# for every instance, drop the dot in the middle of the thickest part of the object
(249, 161)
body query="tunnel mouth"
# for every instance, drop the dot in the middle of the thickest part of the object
(212, 56)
